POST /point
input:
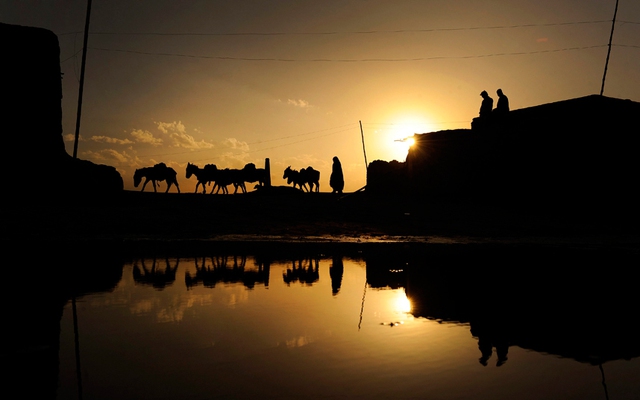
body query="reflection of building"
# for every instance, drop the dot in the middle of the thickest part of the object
(386, 270)
(226, 269)
(31, 323)
(32, 109)
(538, 298)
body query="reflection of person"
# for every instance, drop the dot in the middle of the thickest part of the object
(490, 334)
(335, 272)
(503, 103)
(487, 104)
(336, 181)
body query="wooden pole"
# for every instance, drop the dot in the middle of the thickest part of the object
(84, 60)
(366, 164)
(606, 64)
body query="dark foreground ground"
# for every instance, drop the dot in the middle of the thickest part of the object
(284, 214)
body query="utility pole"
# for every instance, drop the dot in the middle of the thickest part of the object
(84, 60)
(366, 164)
(606, 64)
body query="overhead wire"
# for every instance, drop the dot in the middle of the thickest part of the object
(367, 32)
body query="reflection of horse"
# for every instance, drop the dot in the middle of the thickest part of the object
(306, 272)
(157, 173)
(221, 270)
(302, 178)
(155, 277)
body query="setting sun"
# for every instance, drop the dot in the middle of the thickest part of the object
(401, 134)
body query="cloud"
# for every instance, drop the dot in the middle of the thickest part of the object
(109, 155)
(180, 138)
(141, 136)
(542, 40)
(235, 144)
(70, 137)
(299, 103)
(107, 139)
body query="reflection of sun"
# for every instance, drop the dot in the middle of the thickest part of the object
(402, 304)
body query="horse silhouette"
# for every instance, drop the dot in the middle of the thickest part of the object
(225, 177)
(203, 175)
(158, 173)
(302, 178)
(252, 174)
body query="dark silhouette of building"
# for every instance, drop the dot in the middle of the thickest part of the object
(40, 168)
(580, 154)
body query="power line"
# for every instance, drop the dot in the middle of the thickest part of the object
(370, 32)
(349, 60)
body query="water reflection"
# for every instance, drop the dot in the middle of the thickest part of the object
(232, 332)
(228, 269)
(305, 271)
(157, 278)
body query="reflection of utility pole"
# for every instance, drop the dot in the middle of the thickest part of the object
(77, 344)
(606, 64)
(364, 294)
(84, 59)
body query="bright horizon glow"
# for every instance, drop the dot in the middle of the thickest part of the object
(401, 134)
(186, 88)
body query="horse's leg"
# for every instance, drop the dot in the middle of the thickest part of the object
(177, 186)
(155, 190)
(145, 184)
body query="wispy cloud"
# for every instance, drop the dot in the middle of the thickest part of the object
(107, 139)
(147, 137)
(179, 137)
(235, 144)
(110, 155)
(299, 103)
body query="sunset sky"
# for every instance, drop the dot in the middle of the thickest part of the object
(233, 82)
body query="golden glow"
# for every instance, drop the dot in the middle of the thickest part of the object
(401, 134)
(402, 303)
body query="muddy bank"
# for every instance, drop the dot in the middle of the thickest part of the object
(291, 216)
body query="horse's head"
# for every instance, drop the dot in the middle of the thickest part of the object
(137, 177)
(287, 172)
(190, 169)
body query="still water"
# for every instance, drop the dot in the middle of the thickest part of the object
(335, 326)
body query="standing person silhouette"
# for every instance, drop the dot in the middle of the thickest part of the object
(503, 103)
(487, 104)
(336, 181)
